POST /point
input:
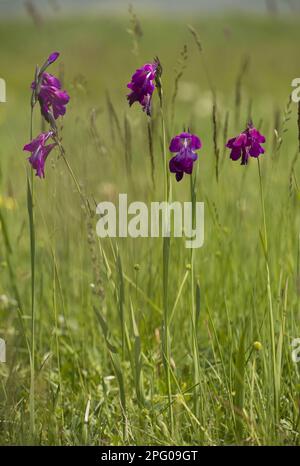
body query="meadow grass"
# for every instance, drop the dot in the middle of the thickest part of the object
(100, 376)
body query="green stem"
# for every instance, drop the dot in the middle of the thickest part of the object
(193, 308)
(271, 314)
(166, 255)
(263, 208)
(30, 206)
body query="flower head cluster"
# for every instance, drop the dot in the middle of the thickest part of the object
(142, 85)
(51, 97)
(46, 89)
(248, 143)
(184, 146)
(39, 152)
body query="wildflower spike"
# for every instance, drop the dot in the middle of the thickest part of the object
(142, 86)
(50, 96)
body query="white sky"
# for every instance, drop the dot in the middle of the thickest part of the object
(17, 6)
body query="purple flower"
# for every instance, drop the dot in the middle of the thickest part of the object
(142, 86)
(184, 145)
(248, 143)
(51, 97)
(39, 152)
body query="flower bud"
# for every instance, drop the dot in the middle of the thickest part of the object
(257, 346)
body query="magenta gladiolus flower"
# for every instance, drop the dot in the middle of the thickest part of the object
(246, 144)
(51, 97)
(142, 86)
(184, 145)
(39, 152)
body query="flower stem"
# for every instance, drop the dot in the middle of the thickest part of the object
(193, 308)
(166, 350)
(263, 208)
(30, 207)
(271, 314)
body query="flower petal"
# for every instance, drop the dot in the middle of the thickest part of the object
(235, 153)
(241, 140)
(255, 149)
(255, 134)
(175, 144)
